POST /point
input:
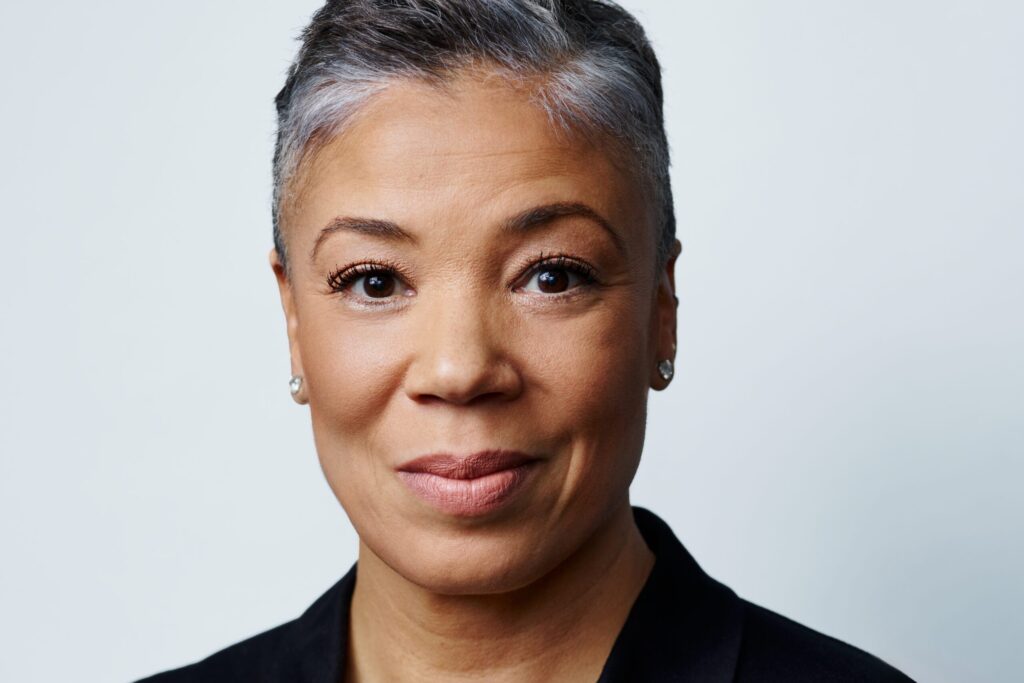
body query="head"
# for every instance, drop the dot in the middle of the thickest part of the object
(474, 243)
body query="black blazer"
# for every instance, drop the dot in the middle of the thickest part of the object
(684, 626)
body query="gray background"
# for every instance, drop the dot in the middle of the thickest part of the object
(843, 439)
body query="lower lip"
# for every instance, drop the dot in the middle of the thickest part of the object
(468, 497)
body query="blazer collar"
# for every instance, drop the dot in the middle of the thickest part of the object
(684, 625)
(315, 650)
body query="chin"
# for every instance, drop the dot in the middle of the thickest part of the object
(467, 561)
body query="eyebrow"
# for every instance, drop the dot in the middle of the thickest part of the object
(524, 221)
(542, 215)
(371, 227)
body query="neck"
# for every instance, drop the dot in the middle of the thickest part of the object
(560, 627)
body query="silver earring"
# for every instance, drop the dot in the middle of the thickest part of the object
(295, 384)
(666, 369)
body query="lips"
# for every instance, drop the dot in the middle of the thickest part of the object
(469, 485)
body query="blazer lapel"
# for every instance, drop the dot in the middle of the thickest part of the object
(684, 625)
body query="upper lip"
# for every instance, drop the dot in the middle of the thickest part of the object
(471, 466)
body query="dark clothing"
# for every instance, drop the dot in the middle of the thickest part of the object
(684, 626)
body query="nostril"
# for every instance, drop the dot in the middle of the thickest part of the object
(470, 398)
(433, 399)
(487, 397)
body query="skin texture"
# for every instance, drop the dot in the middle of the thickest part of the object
(469, 352)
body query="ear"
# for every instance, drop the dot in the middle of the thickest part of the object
(291, 320)
(666, 305)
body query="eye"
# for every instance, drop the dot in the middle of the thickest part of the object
(559, 274)
(370, 283)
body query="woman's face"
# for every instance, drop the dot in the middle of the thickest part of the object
(474, 303)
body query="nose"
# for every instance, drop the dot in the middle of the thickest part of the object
(458, 355)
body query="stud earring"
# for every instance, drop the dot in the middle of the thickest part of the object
(666, 369)
(295, 386)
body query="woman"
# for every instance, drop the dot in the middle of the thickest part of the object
(474, 245)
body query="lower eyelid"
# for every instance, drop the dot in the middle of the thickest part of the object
(366, 303)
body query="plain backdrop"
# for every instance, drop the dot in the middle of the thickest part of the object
(848, 178)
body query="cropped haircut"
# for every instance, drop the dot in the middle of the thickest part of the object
(597, 70)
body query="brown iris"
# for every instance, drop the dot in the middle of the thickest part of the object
(378, 285)
(553, 280)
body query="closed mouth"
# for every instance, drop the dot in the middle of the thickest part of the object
(475, 465)
(467, 486)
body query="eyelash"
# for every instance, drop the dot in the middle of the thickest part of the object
(560, 261)
(340, 278)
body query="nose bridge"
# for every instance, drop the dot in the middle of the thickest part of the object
(458, 327)
(458, 352)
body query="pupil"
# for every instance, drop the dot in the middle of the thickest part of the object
(379, 285)
(553, 281)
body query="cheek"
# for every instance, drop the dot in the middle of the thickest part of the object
(348, 368)
(352, 375)
(590, 379)
(594, 365)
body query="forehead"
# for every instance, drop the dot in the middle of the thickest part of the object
(477, 145)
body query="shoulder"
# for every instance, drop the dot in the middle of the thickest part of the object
(304, 649)
(248, 660)
(775, 648)
(685, 625)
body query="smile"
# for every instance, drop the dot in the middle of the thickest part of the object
(467, 486)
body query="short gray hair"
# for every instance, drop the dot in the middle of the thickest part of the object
(599, 71)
